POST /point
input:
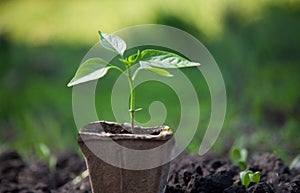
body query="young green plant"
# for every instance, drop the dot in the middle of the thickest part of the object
(238, 157)
(44, 153)
(247, 177)
(152, 60)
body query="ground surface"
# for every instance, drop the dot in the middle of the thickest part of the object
(188, 174)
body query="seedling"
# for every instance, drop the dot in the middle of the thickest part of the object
(247, 177)
(295, 163)
(238, 156)
(44, 153)
(152, 60)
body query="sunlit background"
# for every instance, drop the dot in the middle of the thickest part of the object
(255, 43)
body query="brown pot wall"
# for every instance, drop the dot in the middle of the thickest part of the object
(107, 178)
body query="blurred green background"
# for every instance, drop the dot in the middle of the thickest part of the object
(255, 43)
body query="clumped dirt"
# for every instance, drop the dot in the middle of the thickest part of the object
(188, 174)
(208, 174)
(18, 176)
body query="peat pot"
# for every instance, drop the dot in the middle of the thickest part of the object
(121, 162)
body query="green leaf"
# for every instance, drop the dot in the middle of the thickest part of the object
(112, 42)
(235, 156)
(91, 69)
(124, 61)
(242, 165)
(164, 59)
(52, 163)
(44, 151)
(238, 156)
(134, 57)
(138, 109)
(243, 154)
(248, 176)
(295, 163)
(245, 178)
(158, 71)
(255, 177)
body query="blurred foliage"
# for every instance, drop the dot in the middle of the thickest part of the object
(38, 22)
(255, 44)
(35, 103)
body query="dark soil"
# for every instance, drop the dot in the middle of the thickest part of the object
(116, 128)
(188, 174)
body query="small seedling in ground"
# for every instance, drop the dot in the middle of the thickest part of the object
(238, 157)
(295, 163)
(44, 153)
(152, 60)
(247, 177)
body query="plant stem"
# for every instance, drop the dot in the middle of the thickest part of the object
(132, 95)
(117, 68)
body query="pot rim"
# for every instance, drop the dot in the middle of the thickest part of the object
(165, 133)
